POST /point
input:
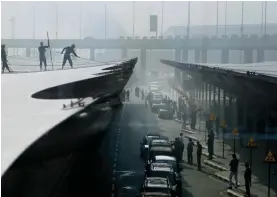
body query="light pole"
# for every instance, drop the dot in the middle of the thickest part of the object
(162, 18)
(34, 26)
(105, 21)
(57, 21)
(225, 22)
(217, 18)
(265, 16)
(188, 25)
(262, 22)
(12, 20)
(241, 29)
(80, 22)
(134, 14)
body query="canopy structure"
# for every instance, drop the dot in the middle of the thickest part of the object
(33, 103)
(257, 80)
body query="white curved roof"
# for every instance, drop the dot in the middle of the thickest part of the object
(25, 119)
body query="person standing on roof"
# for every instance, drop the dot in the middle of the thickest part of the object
(42, 58)
(4, 59)
(68, 50)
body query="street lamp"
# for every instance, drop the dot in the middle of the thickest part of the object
(134, 11)
(188, 25)
(12, 20)
(105, 21)
(162, 18)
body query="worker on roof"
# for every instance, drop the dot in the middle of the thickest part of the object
(42, 57)
(68, 50)
(4, 59)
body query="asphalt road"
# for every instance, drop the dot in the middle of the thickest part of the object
(128, 169)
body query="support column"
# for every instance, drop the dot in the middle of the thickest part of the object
(225, 56)
(203, 94)
(218, 112)
(206, 95)
(143, 58)
(197, 55)
(210, 97)
(248, 56)
(124, 53)
(185, 54)
(260, 55)
(92, 54)
(204, 56)
(28, 52)
(178, 59)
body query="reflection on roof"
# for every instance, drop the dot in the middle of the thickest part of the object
(264, 68)
(24, 119)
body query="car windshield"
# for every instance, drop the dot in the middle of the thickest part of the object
(164, 174)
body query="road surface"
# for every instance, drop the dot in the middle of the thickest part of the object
(128, 168)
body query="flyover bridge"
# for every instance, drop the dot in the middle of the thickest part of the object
(181, 46)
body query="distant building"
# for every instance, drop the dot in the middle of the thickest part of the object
(210, 30)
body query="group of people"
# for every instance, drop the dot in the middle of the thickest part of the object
(42, 57)
(179, 147)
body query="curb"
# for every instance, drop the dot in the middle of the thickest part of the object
(188, 131)
(216, 166)
(233, 193)
(223, 178)
(178, 120)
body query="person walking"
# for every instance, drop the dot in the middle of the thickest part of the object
(189, 151)
(233, 171)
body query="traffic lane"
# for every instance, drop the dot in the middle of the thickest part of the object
(135, 123)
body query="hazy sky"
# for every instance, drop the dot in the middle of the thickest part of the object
(93, 14)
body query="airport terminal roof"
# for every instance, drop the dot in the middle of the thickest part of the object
(257, 79)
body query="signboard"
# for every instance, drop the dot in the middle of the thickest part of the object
(212, 116)
(153, 23)
(270, 158)
(235, 131)
(251, 143)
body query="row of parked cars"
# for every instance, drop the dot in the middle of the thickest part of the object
(158, 103)
(162, 175)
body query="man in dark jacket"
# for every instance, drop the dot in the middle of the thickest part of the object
(234, 164)
(247, 179)
(68, 50)
(189, 151)
(199, 153)
(4, 59)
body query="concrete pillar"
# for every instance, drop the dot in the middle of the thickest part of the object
(197, 55)
(225, 56)
(206, 95)
(124, 53)
(204, 56)
(203, 94)
(185, 54)
(248, 56)
(28, 52)
(178, 55)
(178, 59)
(210, 96)
(260, 55)
(92, 54)
(143, 58)
(218, 111)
